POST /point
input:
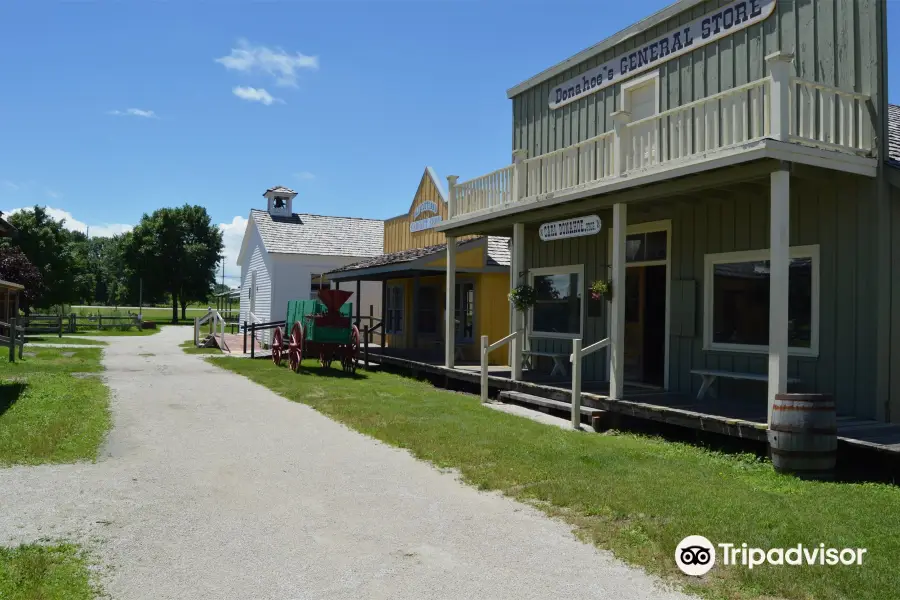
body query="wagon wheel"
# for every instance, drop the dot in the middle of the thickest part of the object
(277, 342)
(351, 357)
(295, 351)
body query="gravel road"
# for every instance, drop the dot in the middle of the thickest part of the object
(212, 487)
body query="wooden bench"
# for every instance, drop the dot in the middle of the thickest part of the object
(559, 361)
(709, 377)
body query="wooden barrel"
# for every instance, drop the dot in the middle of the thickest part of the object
(803, 435)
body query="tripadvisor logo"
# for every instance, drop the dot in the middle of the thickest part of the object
(695, 555)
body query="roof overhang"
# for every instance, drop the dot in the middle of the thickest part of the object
(9, 285)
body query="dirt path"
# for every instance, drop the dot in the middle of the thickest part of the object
(212, 487)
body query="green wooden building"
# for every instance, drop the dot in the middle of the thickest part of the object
(732, 170)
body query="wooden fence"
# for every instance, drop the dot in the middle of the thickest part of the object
(60, 324)
(12, 334)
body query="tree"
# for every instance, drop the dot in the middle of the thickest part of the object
(46, 243)
(16, 268)
(175, 251)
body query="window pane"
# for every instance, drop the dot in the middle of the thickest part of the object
(634, 247)
(558, 308)
(741, 303)
(656, 246)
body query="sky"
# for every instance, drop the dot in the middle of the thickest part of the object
(111, 110)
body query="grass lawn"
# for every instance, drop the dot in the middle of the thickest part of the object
(36, 572)
(636, 496)
(48, 415)
(189, 348)
(65, 339)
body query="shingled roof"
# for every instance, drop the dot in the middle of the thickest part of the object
(894, 134)
(497, 255)
(317, 234)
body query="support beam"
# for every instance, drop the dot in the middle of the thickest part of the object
(412, 336)
(617, 307)
(779, 269)
(450, 306)
(780, 69)
(358, 302)
(516, 278)
(384, 325)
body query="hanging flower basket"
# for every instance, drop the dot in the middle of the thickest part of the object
(523, 297)
(601, 289)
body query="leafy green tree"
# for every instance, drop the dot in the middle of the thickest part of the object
(203, 249)
(46, 243)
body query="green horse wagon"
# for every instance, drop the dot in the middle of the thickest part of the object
(322, 328)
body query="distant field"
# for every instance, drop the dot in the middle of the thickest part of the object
(149, 314)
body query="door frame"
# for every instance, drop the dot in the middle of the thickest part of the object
(649, 227)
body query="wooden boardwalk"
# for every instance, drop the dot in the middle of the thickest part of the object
(740, 419)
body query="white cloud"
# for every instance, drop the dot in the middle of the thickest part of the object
(255, 95)
(53, 194)
(11, 185)
(232, 236)
(275, 62)
(305, 175)
(134, 112)
(73, 224)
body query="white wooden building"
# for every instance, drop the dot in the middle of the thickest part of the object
(285, 254)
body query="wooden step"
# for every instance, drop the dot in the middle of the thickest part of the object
(520, 398)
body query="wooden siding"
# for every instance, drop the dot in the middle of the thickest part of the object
(835, 42)
(838, 215)
(893, 405)
(397, 235)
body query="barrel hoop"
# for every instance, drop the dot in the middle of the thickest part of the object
(784, 407)
(802, 454)
(795, 429)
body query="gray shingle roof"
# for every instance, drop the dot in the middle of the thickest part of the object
(894, 134)
(317, 234)
(280, 188)
(393, 258)
(498, 251)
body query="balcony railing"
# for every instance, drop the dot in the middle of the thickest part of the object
(779, 106)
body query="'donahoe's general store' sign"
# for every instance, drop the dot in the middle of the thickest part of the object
(710, 27)
(422, 224)
(577, 227)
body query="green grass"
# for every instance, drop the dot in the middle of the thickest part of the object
(188, 347)
(636, 496)
(65, 339)
(34, 572)
(47, 415)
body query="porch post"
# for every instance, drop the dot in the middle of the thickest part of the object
(617, 308)
(780, 70)
(779, 269)
(413, 333)
(620, 141)
(517, 270)
(384, 324)
(450, 309)
(519, 187)
(451, 195)
(358, 302)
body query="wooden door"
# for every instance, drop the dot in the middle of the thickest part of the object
(635, 301)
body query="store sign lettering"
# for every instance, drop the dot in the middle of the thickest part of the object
(710, 27)
(570, 228)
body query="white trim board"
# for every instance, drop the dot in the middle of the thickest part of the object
(710, 260)
(649, 227)
(559, 270)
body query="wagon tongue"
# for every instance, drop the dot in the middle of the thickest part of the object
(334, 299)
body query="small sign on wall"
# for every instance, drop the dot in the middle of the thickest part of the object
(569, 228)
(427, 223)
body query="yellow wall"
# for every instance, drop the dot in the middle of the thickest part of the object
(468, 259)
(397, 235)
(491, 314)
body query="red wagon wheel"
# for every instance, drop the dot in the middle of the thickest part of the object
(277, 342)
(295, 348)
(351, 352)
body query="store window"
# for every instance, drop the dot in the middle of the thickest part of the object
(559, 308)
(465, 312)
(394, 310)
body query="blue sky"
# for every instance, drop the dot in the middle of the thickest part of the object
(111, 110)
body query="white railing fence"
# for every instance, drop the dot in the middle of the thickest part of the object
(778, 106)
(486, 349)
(578, 353)
(216, 327)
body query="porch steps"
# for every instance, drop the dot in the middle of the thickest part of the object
(521, 398)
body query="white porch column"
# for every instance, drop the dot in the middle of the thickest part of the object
(780, 69)
(779, 268)
(450, 310)
(620, 141)
(617, 309)
(516, 273)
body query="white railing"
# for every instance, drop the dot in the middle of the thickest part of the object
(485, 192)
(578, 353)
(778, 106)
(829, 117)
(486, 349)
(216, 327)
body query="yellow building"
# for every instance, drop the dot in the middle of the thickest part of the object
(412, 271)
